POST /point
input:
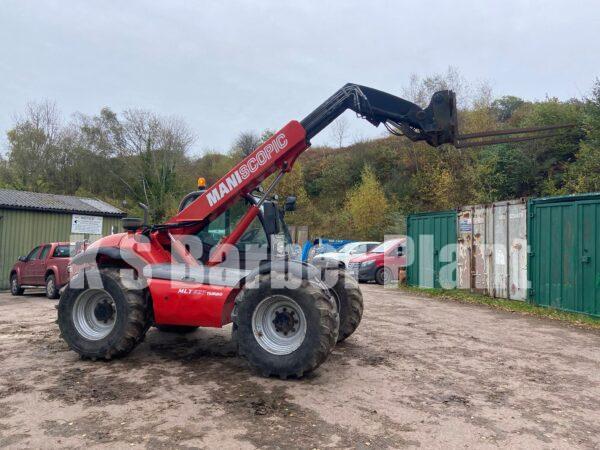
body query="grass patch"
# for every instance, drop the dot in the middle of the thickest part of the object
(581, 320)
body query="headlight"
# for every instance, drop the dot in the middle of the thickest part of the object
(367, 263)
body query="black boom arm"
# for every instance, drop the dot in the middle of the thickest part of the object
(437, 124)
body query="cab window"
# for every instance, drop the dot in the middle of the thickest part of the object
(32, 254)
(220, 227)
(254, 235)
(44, 252)
(62, 251)
(226, 222)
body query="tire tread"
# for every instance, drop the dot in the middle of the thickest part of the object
(328, 334)
(138, 322)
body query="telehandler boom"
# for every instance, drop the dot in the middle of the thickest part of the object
(222, 258)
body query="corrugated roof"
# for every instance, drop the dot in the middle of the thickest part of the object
(13, 199)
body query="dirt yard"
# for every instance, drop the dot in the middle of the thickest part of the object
(418, 372)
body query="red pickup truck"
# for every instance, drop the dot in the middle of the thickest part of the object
(45, 265)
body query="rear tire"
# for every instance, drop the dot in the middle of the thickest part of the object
(284, 331)
(15, 287)
(350, 303)
(106, 322)
(178, 329)
(51, 288)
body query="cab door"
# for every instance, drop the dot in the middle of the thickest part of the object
(28, 268)
(253, 247)
(39, 266)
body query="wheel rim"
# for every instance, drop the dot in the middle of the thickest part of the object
(94, 314)
(14, 285)
(50, 286)
(279, 325)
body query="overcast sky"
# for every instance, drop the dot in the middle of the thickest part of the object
(227, 67)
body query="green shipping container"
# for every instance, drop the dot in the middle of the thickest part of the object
(432, 249)
(564, 240)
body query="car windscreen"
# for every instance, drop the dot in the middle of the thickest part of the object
(346, 248)
(382, 248)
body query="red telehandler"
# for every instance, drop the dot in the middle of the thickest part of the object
(223, 257)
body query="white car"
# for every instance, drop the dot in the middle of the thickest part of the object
(348, 251)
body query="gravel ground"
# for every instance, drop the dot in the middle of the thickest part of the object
(418, 372)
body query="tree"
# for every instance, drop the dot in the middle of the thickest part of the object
(142, 153)
(31, 142)
(552, 156)
(4, 173)
(292, 184)
(584, 174)
(503, 108)
(503, 172)
(266, 135)
(420, 90)
(246, 143)
(367, 207)
(155, 147)
(338, 130)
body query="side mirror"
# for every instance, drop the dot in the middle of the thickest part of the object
(23, 258)
(400, 251)
(270, 218)
(290, 204)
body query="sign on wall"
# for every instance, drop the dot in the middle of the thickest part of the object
(81, 224)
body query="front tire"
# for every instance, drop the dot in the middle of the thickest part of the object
(15, 287)
(284, 331)
(51, 288)
(103, 322)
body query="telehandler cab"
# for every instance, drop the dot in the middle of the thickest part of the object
(223, 257)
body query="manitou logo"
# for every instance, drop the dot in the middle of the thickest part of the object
(247, 168)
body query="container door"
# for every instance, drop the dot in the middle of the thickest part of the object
(479, 264)
(433, 250)
(517, 252)
(425, 263)
(445, 251)
(465, 239)
(555, 274)
(589, 267)
(499, 257)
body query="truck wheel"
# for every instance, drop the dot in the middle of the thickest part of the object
(179, 329)
(51, 288)
(284, 331)
(105, 322)
(350, 303)
(383, 275)
(15, 287)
